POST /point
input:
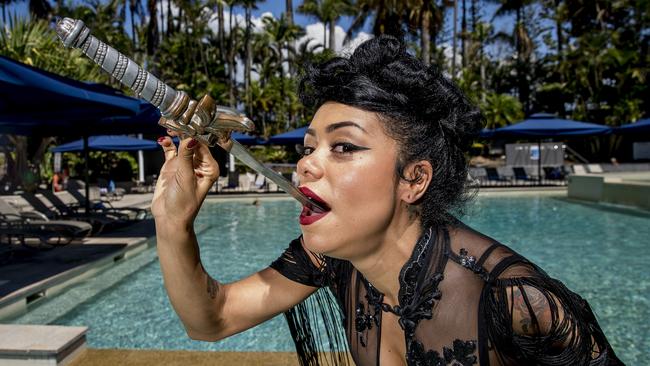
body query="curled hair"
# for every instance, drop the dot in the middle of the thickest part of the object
(428, 115)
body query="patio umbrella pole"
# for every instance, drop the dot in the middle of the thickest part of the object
(539, 162)
(86, 175)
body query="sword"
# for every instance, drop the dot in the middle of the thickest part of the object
(204, 120)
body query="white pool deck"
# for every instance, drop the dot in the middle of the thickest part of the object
(60, 345)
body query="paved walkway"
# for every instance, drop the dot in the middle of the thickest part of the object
(123, 357)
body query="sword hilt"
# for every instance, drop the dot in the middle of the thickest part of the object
(204, 120)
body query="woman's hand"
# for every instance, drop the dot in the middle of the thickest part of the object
(184, 180)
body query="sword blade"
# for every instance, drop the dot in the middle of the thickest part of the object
(241, 153)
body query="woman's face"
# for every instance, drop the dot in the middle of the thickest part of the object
(349, 164)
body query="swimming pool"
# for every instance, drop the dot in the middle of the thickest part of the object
(599, 251)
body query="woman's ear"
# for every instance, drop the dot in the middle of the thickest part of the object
(418, 176)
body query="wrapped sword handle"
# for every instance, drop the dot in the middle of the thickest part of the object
(204, 119)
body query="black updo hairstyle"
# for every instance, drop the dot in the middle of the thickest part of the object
(427, 114)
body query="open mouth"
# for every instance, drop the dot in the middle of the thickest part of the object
(312, 213)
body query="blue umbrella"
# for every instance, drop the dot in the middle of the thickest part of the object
(542, 125)
(486, 133)
(37, 102)
(641, 126)
(108, 143)
(296, 136)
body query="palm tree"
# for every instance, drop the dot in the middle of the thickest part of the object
(4, 4)
(221, 30)
(327, 12)
(249, 5)
(278, 36)
(388, 16)
(232, 46)
(152, 28)
(40, 9)
(135, 8)
(426, 16)
(454, 38)
(463, 35)
(523, 44)
(289, 14)
(501, 110)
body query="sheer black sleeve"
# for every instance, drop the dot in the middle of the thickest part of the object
(297, 265)
(315, 324)
(536, 320)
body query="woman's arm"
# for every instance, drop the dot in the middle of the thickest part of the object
(537, 320)
(208, 309)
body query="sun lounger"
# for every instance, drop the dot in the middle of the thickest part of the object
(222, 182)
(595, 168)
(99, 221)
(25, 226)
(244, 182)
(579, 169)
(75, 200)
(554, 173)
(471, 180)
(521, 175)
(493, 177)
(260, 182)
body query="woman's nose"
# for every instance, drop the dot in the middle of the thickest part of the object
(309, 168)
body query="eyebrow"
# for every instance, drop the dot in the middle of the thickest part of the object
(334, 126)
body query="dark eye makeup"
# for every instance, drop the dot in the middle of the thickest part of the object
(337, 148)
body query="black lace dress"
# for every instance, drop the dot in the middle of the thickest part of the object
(454, 308)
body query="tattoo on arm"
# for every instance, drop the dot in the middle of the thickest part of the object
(212, 287)
(532, 309)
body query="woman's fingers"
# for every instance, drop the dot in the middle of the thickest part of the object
(186, 150)
(206, 169)
(169, 149)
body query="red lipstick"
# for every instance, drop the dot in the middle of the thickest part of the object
(311, 214)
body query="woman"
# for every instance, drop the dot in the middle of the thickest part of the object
(384, 154)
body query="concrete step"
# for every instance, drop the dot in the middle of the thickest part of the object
(40, 345)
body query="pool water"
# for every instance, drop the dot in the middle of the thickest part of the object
(600, 252)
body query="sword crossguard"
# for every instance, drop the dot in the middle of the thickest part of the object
(204, 120)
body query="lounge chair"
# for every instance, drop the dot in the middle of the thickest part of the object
(221, 183)
(471, 180)
(244, 182)
(260, 182)
(76, 201)
(100, 222)
(595, 168)
(493, 176)
(579, 169)
(554, 173)
(521, 174)
(33, 228)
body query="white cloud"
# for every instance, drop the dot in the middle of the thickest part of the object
(314, 34)
(448, 52)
